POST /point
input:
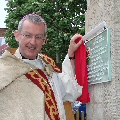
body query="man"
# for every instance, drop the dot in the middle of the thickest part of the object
(31, 86)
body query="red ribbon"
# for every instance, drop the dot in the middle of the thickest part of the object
(81, 71)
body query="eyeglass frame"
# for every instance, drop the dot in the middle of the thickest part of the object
(30, 36)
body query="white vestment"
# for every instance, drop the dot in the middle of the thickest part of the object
(21, 99)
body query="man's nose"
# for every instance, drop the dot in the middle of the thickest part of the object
(33, 41)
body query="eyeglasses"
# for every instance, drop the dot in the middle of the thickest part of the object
(30, 36)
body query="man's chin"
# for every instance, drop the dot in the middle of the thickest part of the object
(32, 56)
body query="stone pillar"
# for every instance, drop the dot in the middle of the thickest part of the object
(105, 97)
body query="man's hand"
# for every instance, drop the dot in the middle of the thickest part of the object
(74, 46)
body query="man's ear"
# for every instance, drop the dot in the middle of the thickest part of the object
(44, 42)
(17, 35)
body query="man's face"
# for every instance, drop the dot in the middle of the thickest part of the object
(31, 38)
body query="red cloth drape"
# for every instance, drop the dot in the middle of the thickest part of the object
(81, 71)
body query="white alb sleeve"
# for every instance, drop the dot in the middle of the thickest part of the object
(72, 89)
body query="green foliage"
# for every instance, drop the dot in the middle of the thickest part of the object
(64, 18)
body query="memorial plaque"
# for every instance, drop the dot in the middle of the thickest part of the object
(99, 65)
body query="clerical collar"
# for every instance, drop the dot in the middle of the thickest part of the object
(27, 58)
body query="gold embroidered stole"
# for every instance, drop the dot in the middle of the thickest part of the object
(38, 77)
(50, 61)
(67, 105)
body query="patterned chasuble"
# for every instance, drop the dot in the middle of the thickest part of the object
(41, 81)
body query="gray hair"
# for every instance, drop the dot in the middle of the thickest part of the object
(34, 18)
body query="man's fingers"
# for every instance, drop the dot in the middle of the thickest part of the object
(76, 36)
(79, 43)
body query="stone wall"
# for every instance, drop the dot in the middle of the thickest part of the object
(105, 97)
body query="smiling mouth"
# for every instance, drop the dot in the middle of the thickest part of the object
(31, 48)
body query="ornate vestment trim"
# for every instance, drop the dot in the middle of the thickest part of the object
(38, 77)
(50, 61)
